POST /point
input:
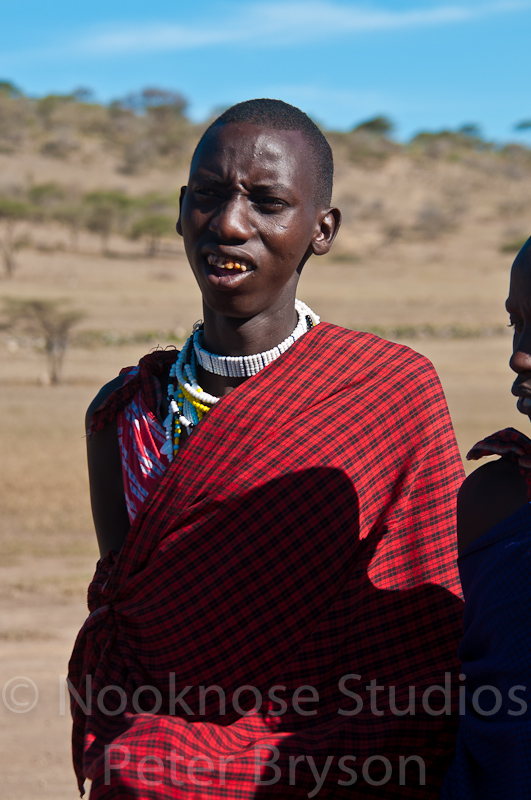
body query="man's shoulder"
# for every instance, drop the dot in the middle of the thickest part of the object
(370, 348)
(103, 395)
(489, 495)
(146, 377)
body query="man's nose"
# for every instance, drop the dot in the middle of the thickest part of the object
(521, 357)
(231, 221)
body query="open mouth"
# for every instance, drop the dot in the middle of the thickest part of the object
(225, 265)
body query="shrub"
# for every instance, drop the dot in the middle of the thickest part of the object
(152, 228)
(432, 221)
(60, 146)
(368, 149)
(513, 245)
(48, 323)
(378, 126)
(8, 89)
(106, 212)
(12, 212)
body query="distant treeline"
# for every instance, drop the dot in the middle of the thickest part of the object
(149, 217)
(150, 128)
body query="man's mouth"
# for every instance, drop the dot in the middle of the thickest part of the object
(226, 264)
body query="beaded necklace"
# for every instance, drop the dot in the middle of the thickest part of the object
(188, 403)
(245, 366)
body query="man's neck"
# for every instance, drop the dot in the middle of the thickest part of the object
(230, 336)
(236, 337)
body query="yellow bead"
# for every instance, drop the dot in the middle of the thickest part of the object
(199, 407)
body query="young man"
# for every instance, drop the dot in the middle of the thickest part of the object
(494, 531)
(281, 493)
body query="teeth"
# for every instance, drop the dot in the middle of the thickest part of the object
(222, 263)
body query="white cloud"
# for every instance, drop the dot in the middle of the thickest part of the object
(279, 23)
(259, 23)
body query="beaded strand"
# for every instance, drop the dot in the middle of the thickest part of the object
(188, 403)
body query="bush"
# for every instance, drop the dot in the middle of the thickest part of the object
(432, 221)
(367, 149)
(43, 194)
(452, 145)
(152, 228)
(107, 212)
(137, 155)
(12, 212)
(14, 119)
(46, 322)
(513, 245)
(73, 215)
(377, 126)
(8, 89)
(60, 146)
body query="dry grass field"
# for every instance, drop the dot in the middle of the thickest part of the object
(388, 273)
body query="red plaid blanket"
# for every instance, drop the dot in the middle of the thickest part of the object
(283, 618)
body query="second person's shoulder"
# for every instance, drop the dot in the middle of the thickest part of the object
(489, 495)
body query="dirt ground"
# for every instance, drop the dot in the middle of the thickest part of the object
(47, 547)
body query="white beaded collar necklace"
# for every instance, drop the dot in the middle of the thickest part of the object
(245, 366)
(187, 401)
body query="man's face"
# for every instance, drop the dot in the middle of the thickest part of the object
(249, 218)
(519, 307)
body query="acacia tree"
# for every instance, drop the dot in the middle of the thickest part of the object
(106, 212)
(152, 228)
(73, 215)
(158, 102)
(12, 212)
(158, 126)
(10, 90)
(377, 126)
(48, 323)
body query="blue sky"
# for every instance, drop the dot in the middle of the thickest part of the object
(427, 65)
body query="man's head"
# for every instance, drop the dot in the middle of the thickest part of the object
(255, 209)
(277, 115)
(519, 307)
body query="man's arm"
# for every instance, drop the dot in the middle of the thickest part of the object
(107, 497)
(488, 496)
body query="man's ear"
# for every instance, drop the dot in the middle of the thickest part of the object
(178, 226)
(326, 231)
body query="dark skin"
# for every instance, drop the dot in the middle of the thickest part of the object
(497, 489)
(251, 199)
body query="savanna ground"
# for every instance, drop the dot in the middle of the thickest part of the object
(419, 256)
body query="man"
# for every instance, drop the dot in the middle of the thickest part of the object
(285, 599)
(494, 533)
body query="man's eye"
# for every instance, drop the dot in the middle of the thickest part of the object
(515, 323)
(269, 203)
(205, 191)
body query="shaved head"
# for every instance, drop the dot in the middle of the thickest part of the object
(278, 115)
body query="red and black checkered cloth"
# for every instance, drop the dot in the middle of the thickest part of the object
(304, 537)
(147, 378)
